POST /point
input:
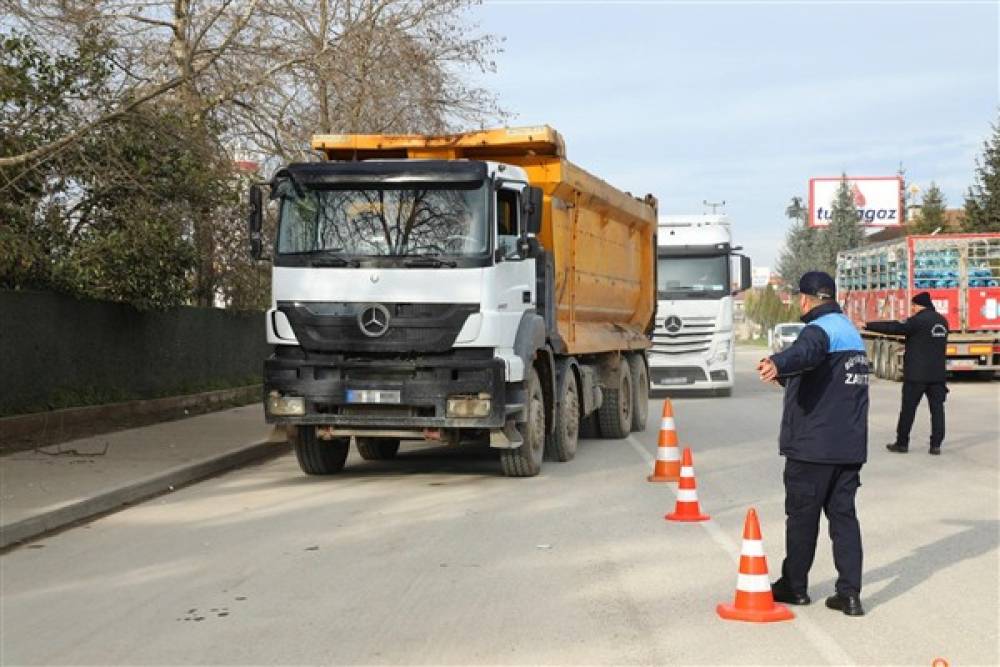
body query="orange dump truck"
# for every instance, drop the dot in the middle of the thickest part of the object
(469, 287)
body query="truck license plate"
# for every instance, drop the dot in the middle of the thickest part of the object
(372, 396)
(962, 363)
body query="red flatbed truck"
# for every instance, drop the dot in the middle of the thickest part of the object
(962, 274)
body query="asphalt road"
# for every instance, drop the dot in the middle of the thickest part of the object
(436, 558)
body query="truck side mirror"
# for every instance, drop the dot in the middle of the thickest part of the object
(255, 221)
(531, 210)
(746, 274)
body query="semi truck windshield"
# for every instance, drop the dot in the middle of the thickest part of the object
(686, 277)
(383, 222)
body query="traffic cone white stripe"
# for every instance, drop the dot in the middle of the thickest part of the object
(668, 423)
(752, 548)
(668, 454)
(687, 495)
(753, 583)
(687, 471)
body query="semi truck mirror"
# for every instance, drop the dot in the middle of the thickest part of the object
(746, 273)
(532, 209)
(255, 221)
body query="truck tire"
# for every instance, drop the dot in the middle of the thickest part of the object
(895, 364)
(562, 446)
(640, 390)
(377, 449)
(319, 457)
(526, 460)
(615, 413)
(879, 359)
(589, 428)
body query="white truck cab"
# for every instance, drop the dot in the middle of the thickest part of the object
(693, 343)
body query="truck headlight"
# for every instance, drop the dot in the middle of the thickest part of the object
(721, 351)
(468, 407)
(285, 406)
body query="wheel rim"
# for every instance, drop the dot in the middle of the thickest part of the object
(571, 414)
(641, 391)
(537, 421)
(626, 400)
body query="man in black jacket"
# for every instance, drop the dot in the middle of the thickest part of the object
(824, 439)
(923, 369)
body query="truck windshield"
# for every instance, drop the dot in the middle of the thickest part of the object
(685, 277)
(383, 222)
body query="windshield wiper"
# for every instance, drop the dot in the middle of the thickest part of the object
(331, 257)
(431, 261)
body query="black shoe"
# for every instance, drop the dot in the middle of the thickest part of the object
(936, 451)
(899, 449)
(781, 593)
(849, 603)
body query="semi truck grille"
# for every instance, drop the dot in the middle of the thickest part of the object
(395, 328)
(695, 335)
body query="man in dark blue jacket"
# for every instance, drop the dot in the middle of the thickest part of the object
(824, 439)
(924, 366)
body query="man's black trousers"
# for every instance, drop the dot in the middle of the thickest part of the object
(912, 391)
(810, 488)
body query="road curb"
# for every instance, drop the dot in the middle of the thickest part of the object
(143, 489)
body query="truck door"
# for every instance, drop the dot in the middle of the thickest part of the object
(514, 274)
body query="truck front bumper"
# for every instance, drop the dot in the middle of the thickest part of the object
(688, 372)
(387, 394)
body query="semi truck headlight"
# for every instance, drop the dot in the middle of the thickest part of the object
(721, 351)
(285, 406)
(467, 407)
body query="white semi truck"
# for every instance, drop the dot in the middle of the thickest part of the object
(693, 344)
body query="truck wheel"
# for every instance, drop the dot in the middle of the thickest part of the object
(615, 413)
(377, 449)
(895, 366)
(879, 360)
(562, 447)
(319, 457)
(526, 460)
(640, 390)
(589, 428)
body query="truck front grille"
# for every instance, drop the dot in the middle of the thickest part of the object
(694, 336)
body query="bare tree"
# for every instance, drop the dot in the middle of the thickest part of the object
(374, 66)
(256, 75)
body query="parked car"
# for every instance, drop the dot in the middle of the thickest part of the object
(783, 335)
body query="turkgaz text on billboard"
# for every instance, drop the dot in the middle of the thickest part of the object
(878, 199)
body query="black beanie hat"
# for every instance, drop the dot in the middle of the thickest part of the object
(924, 299)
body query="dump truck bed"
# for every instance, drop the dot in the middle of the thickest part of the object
(603, 240)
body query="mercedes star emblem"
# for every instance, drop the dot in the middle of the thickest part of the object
(374, 321)
(672, 324)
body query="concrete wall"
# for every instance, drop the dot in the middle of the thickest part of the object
(59, 351)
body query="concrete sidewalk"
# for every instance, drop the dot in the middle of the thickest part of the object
(52, 487)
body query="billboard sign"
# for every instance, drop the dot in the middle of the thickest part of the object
(760, 276)
(879, 200)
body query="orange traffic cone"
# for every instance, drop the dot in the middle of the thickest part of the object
(687, 508)
(754, 601)
(668, 457)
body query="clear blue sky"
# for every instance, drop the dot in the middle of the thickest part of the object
(746, 101)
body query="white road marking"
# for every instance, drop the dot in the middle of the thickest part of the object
(825, 644)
